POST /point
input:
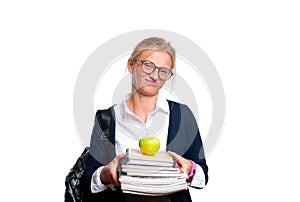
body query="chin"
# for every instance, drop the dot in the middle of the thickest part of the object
(148, 92)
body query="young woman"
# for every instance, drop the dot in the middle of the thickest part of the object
(145, 113)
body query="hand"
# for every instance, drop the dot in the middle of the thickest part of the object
(183, 163)
(109, 174)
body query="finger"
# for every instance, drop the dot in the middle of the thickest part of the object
(116, 161)
(173, 154)
(120, 156)
(177, 157)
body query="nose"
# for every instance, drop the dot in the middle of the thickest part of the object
(154, 74)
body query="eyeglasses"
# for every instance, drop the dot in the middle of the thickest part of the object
(149, 67)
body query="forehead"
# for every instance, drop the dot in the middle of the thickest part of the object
(160, 58)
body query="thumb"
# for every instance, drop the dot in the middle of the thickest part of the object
(176, 157)
(120, 156)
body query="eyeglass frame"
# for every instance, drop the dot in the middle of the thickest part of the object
(156, 67)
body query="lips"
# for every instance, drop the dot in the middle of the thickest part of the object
(151, 82)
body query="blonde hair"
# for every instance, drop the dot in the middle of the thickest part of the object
(154, 44)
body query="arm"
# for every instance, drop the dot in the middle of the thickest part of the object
(195, 149)
(102, 152)
(184, 139)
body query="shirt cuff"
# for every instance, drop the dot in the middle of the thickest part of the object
(198, 180)
(96, 184)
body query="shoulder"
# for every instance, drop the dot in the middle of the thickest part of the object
(102, 113)
(179, 107)
(106, 109)
(181, 114)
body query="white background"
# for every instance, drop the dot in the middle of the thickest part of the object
(254, 45)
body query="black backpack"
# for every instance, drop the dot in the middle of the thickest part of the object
(73, 181)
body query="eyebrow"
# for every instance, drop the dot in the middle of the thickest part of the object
(170, 68)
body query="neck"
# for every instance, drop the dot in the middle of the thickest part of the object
(141, 105)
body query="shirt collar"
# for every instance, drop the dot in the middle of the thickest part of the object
(161, 105)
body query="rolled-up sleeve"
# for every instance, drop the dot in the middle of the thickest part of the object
(96, 184)
(198, 180)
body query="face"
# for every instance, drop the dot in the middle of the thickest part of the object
(148, 84)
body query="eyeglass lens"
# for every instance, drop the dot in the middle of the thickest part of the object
(149, 67)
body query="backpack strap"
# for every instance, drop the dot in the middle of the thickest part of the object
(104, 115)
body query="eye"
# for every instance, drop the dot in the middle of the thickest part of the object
(148, 65)
(164, 71)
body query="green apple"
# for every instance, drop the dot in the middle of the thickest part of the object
(149, 145)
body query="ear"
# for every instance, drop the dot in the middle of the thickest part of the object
(130, 66)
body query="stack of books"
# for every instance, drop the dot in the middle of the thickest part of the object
(153, 175)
